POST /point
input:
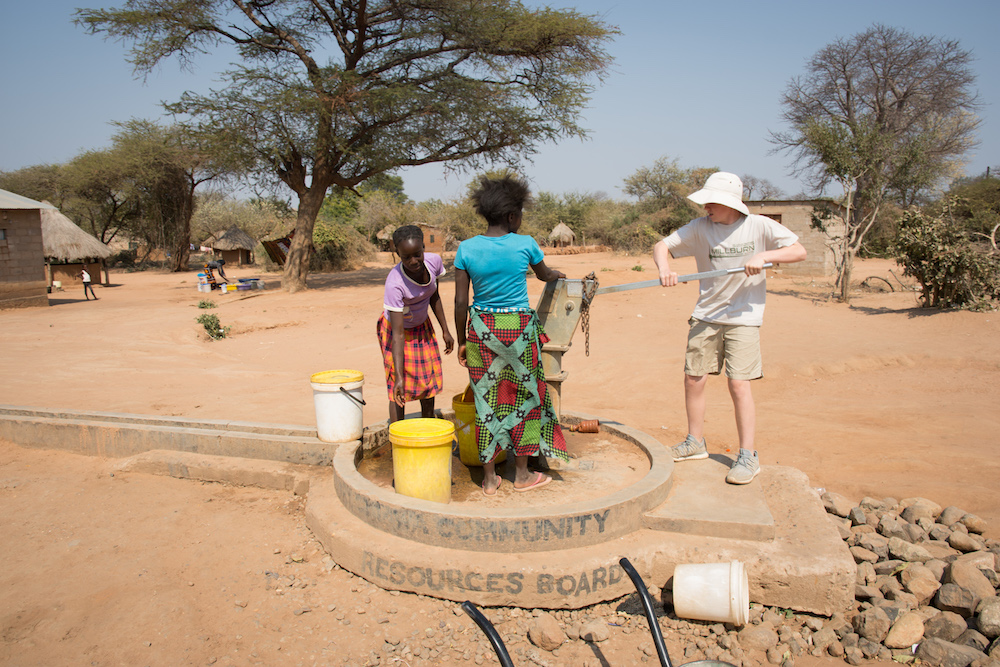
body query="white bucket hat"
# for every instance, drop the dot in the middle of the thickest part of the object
(722, 188)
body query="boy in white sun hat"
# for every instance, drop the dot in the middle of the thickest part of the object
(725, 325)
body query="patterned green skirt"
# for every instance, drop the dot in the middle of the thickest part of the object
(513, 408)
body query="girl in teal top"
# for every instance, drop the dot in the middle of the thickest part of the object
(500, 340)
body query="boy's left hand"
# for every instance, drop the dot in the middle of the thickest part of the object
(449, 342)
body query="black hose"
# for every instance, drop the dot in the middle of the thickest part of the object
(490, 633)
(647, 605)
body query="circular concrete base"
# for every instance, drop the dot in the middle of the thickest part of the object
(559, 546)
(598, 496)
(555, 546)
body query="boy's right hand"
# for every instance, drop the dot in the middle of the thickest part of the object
(461, 355)
(668, 279)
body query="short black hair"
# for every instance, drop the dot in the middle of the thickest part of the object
(407, 233)
(496, 198)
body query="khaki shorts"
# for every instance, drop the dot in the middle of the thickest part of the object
(709, 345)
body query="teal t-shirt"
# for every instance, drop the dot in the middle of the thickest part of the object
(498, 267)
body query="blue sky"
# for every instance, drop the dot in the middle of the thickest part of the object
(700, 82)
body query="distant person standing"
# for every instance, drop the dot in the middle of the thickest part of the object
(87, 285)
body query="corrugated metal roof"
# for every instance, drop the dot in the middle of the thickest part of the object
(10, 200)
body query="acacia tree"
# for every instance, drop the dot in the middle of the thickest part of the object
(166, 165)
(662, 191)
(216, 212)
(101, 197)
(878, 113)
(334, 92)
(759, 189)
(38, 182)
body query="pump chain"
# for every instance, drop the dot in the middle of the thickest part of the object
(589, 292)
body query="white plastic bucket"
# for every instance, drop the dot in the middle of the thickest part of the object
(339, 405)
(712, 592)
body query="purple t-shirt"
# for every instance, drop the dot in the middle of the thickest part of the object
(404, 295)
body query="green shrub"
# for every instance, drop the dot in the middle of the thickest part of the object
(339, 247)
(954, 267)
(206, 303)
(213, 327)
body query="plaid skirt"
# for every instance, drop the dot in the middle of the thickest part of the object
(422, 377)
(513, 407)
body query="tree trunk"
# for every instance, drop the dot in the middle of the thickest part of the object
(182, 248)
(300, 252)
(845, 276)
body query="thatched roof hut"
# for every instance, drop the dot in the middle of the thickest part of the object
(64, 241)
(212, 238)
(234, 239)
(68, 249)
(561, 235)
(235, 246)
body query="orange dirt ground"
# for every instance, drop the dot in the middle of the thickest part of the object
(877, 398)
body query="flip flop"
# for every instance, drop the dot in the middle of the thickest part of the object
(499, 484)
(540, 480)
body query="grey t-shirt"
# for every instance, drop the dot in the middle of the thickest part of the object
(737, 298)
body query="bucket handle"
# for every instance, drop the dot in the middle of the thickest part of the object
(353, 397)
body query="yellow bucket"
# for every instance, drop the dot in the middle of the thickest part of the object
(421, 458)
(465, 429)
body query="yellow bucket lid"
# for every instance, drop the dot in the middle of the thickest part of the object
(421, 428)
(337, 377)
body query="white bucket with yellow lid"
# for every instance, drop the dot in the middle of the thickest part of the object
(339, 401)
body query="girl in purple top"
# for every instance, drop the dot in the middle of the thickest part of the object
(405, 330)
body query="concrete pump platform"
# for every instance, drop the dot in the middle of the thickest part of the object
(554, 547)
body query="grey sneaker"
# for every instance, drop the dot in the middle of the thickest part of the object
(745, 469)
(690, 449)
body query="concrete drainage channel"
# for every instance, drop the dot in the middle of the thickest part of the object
(553, 554)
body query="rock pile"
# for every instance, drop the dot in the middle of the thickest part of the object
(926, 583)
(926, 591)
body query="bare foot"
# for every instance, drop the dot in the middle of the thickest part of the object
(490, 486)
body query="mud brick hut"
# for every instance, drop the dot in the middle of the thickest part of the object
(797, 216)
(435, 238)
(22, 255)
(68, 249)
